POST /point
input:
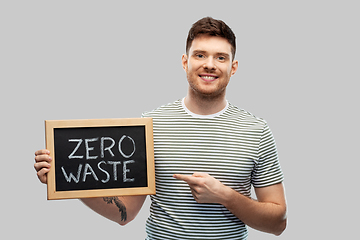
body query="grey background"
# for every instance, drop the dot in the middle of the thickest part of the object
(298, 67)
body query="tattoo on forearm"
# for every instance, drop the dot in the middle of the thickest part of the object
(120, 205)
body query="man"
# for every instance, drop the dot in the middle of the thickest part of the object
(207, 154)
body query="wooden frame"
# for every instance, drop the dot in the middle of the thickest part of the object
(50, 125)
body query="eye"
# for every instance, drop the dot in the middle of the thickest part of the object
(199, 55)
(221, 58)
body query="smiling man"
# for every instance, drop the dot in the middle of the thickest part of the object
(208, 65)
(208, 154)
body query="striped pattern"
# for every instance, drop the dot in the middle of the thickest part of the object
(232, 146)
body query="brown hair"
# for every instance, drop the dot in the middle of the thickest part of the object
(212, 27)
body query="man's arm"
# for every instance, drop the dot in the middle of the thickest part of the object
(267, 214)
(121, 210)
(118, 209)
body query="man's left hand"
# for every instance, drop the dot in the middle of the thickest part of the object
(204, 188)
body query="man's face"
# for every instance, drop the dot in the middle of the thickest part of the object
(209, 66)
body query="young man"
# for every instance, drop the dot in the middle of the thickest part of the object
(207, 154)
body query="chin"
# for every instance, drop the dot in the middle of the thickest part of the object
(208, 94)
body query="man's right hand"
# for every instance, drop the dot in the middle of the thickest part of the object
(120, 209)
(42, 164)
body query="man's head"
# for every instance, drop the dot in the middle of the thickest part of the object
(209, 60)
(211, 27)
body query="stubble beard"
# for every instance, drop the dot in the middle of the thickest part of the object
(201, 94)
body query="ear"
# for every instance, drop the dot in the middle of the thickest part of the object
(184, 61)
(234, 67)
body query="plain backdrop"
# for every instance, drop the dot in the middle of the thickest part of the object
(298, 69)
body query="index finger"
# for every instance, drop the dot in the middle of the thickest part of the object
(42, 152)
(187, 178)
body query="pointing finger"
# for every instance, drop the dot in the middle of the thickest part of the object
(191, 180)
(181, 177)
(200, 174)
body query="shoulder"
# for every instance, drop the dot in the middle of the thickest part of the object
(244, 117)
(165, 110)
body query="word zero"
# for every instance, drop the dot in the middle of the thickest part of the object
(102, 147)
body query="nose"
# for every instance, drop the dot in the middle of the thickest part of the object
(209, 63)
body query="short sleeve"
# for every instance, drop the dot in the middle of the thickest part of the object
(267, 170)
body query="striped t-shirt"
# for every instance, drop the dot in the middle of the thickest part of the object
(233, 146)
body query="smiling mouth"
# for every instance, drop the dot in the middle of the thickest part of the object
(208, 77)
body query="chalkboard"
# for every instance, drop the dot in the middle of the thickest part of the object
(100, 157)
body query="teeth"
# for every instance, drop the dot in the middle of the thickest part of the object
(208, 77)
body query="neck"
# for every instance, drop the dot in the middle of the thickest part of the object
(205, 105)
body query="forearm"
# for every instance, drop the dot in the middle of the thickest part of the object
(264, 216)
(267, 215)
(118, 209)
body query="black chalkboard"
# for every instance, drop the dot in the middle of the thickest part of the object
(94, 158)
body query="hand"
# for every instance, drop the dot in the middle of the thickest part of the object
(42, 164)
(205, 188)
